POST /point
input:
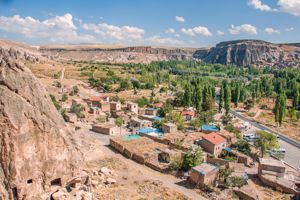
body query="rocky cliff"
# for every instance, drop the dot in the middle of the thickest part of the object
(37, 151)
(251, 52)
(139, 54)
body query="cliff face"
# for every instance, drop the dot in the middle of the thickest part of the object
(37, 150)
(251, 52)
(139, 54)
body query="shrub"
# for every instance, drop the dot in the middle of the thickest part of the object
(235, 181)
(64, 97)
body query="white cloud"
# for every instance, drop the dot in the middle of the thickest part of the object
(115, 32)
(179, 19)
(58, 28)
(160, 40)
(199, 30)
(289, 29)
(290, 6)
(220, 33)
(271, 31)
(257, 4)
(170, 31)
(244, 28)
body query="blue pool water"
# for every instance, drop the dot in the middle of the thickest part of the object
(210, 128)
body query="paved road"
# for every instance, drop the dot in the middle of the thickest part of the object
(292, 155)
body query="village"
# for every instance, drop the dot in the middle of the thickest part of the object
(145, 136)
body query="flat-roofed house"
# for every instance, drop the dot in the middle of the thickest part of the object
(271, 165)
(115, 106)
(133, 107)
(106, 129)
(151, 111)
(139, 123)
(169, 128)
(204, 174)
(213, 143)
(188, 115)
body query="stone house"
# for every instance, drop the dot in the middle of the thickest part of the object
(169, 128)
(271, 165)
(213, 143)
(106, 129)
(151, 111)
(133, 107)
(204, 174)
(188, 115)
(115, 106)
(139, 123)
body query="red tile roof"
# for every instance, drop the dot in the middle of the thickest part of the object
(98, 98)
(158, 105)
(214, 138)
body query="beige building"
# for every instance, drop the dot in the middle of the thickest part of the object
(133, 107)
(139, 123)
(151, 111)
(213, 143)
(271, 165)
(115, 106)
(169, 128)
(204, 174)
(106, 129)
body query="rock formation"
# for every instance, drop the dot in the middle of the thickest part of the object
(139, 54)
(251, 52)
(37, 151)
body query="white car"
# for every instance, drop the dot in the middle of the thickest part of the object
(248, 135)
(281, 150)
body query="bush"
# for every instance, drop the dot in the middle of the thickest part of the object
(176, 162)
(242, 146)
(143, 101)
(64, 97)
(235, 181)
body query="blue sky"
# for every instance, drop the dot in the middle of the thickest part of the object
(195, 23)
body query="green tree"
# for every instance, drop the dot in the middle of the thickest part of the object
(192, 158)
(176, 118)
(266, 141)
(119, 122)
(280, 108)
(296, 99)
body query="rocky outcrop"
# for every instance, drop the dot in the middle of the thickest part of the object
(251, 52)
(19, 51)
(139, 54)
(37, 151)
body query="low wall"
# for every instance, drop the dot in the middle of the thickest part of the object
(277, 186)
(217, 161)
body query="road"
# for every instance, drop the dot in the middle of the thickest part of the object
(292, 155)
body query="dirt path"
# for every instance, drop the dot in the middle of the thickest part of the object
(62, 74)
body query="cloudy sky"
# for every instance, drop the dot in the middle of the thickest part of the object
(195, 23)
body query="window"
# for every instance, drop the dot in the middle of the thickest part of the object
(29, 181)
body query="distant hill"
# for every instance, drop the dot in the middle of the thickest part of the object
(238, 52)
(251, 52)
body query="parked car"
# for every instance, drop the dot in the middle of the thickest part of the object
(279, 150)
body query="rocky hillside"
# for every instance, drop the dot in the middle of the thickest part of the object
(117, 54)
(251, 52)
(38, 152)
